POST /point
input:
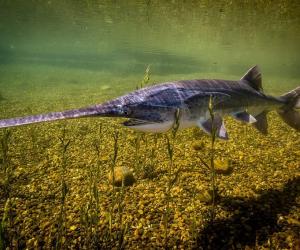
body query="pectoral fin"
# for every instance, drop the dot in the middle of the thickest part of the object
(244, 117)
(262, 123)
(217, 123)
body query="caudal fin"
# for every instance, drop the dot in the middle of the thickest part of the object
(290, 113)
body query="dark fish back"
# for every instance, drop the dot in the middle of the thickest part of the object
(173, 94)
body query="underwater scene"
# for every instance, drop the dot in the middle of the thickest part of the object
(212, 178)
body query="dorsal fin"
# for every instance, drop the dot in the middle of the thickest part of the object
(253, 78)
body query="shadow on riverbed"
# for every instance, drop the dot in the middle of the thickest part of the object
(253, 220)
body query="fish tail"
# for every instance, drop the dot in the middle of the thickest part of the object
(290, 112)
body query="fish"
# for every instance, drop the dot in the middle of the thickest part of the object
(158, 107)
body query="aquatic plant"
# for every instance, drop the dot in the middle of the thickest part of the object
(34, 146)
(142, 168)
(89, 216)
(146, 78)
(209, 196)
(114, 156)
(117, 227)
(145, 147)
(137, 156)
(148, 169)
(98, 222)
(110, 216)
(171, 176)
(96, 146)
(4, 146)
(212, 158)
(123, 227)
(6, 165)
(193, 227)
(64, 145)
(4, 224)
(97, 143)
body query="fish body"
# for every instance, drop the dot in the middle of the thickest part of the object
(158, 107)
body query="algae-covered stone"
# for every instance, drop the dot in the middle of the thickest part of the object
(222, 166)
(205, 196)
(121, 174)
(198, 145)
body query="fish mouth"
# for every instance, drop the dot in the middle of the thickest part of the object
(136, 122)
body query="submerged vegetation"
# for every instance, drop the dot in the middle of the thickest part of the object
(188, 189)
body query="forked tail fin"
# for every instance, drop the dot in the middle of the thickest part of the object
(290, 112)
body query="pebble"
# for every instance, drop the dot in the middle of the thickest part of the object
(121, 174)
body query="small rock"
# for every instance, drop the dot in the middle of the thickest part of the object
(121, 174)
(205, 196)
(222, 167)
(198, 145)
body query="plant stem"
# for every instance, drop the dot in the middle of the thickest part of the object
(212, 156)
(114, 160)
(64, 144)
(171, 181)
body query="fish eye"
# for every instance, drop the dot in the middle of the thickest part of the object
(126, 111)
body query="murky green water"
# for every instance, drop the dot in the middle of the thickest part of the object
(101, 42)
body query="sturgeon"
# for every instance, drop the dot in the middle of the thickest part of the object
(153, 109)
